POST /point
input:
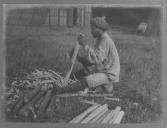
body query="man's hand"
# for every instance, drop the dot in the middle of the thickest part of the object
(81, 39)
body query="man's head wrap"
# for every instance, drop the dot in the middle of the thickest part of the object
(100, 23)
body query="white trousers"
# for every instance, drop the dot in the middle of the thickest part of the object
(98, 79)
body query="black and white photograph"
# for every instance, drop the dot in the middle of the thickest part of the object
(83, 64)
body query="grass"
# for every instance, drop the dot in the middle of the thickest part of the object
(140, 77)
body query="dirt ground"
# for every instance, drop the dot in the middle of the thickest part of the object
(30, 48)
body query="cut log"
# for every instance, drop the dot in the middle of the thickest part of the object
(116, 112)
(94, 113)
(31, 94)
(30, 105)
(102, 117)
(51, 105)
(18, 106)
(98, 116)
(44, 103)
(84, 114)
(119, 117)
(10, 107)
(37, 104)
(108, 117)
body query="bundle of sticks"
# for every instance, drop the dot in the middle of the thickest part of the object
(34, 95)
(99, 114)
(49, 77)
(25, 101)
(33, 103)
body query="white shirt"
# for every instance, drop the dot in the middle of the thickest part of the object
(105, 57)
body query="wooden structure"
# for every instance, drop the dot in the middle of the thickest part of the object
(51, 16)
(77, 16)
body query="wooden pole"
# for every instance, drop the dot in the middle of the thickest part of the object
(87, 101)
(95, 113)
(108, 117)
(83, 95)
(119, 117)
(85, 113)
(73, 62)
(114, 116)
(100, 115)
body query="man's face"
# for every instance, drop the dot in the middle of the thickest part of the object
(96, 32)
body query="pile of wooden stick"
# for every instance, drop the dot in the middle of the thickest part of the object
(99, 114)
(33, 104)
(33, 95)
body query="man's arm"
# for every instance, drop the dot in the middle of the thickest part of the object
(99, 54)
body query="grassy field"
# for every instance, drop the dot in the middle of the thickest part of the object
(140, 78)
